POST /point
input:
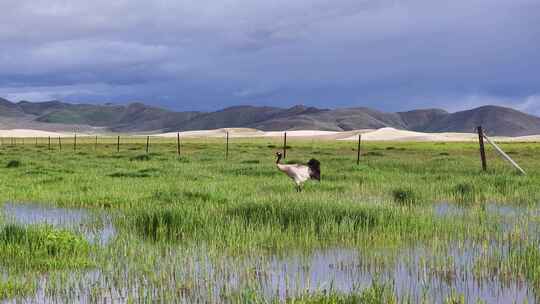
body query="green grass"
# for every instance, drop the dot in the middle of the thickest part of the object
(169, 210)
(13, 164)
(526, 262)
(11, 288)
(42, 249)
(404, 196)
(376, 294)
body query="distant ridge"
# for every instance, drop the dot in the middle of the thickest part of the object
(138, 117)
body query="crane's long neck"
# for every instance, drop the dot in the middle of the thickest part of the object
(280, 167)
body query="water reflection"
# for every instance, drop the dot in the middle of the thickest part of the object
(96, 227)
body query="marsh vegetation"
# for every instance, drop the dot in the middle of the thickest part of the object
(414, 222)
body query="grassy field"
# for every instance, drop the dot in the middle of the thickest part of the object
(413, 222)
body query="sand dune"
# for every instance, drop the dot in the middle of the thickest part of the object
(530, 138)
(31, 133)
(300, 133)
(391, 134)
(233, 132)
(384, 134)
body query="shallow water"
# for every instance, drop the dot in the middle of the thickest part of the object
(510, 211)
(412, 275)
(191, 275)
(415, 274)
(95, 227)
(510, 218)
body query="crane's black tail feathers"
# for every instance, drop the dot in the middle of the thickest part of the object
(314, 169)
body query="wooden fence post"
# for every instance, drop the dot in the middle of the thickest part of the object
(358, 150)
(178, 143)
(284, 145)
(75, 142)
(36, 141)
(482, 150)
(59, 143)
(147, 143)
(49, 143)
(227, 147)
(118, 144)
(95, 145)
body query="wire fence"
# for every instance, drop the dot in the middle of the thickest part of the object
(120, 143)
(176, 143)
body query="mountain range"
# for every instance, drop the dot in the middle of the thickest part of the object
(138, 117)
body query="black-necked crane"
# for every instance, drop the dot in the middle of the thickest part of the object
(300, 173)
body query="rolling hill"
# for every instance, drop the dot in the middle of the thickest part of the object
(138, 117)
(495, 120)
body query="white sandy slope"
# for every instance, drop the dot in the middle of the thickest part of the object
(301, 133)
(233, 132)
(391, 134)
(248, 133)
(529, 138)
(25, 133)
(384, 134)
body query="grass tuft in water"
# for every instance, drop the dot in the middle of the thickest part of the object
(405, 196)
(12, 288)
(378, 293)
(13, 164)
(464, 192)
(42, 248)
(167, 224)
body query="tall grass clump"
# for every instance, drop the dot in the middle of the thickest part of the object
(136, 174)
(374, 153)
(526, 261)
(13, 164)
(377, 293)
(188, 197)
(405, 196)
(464, 193)
(170, 224)
(12, 288)
(299, 216)
(273, 225)
(310, 223)
(42, 248)
(140, 157)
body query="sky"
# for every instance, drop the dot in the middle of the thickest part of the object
(390, 55)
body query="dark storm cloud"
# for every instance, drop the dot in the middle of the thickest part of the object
(392, 55)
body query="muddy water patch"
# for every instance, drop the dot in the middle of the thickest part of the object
(95, 226)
